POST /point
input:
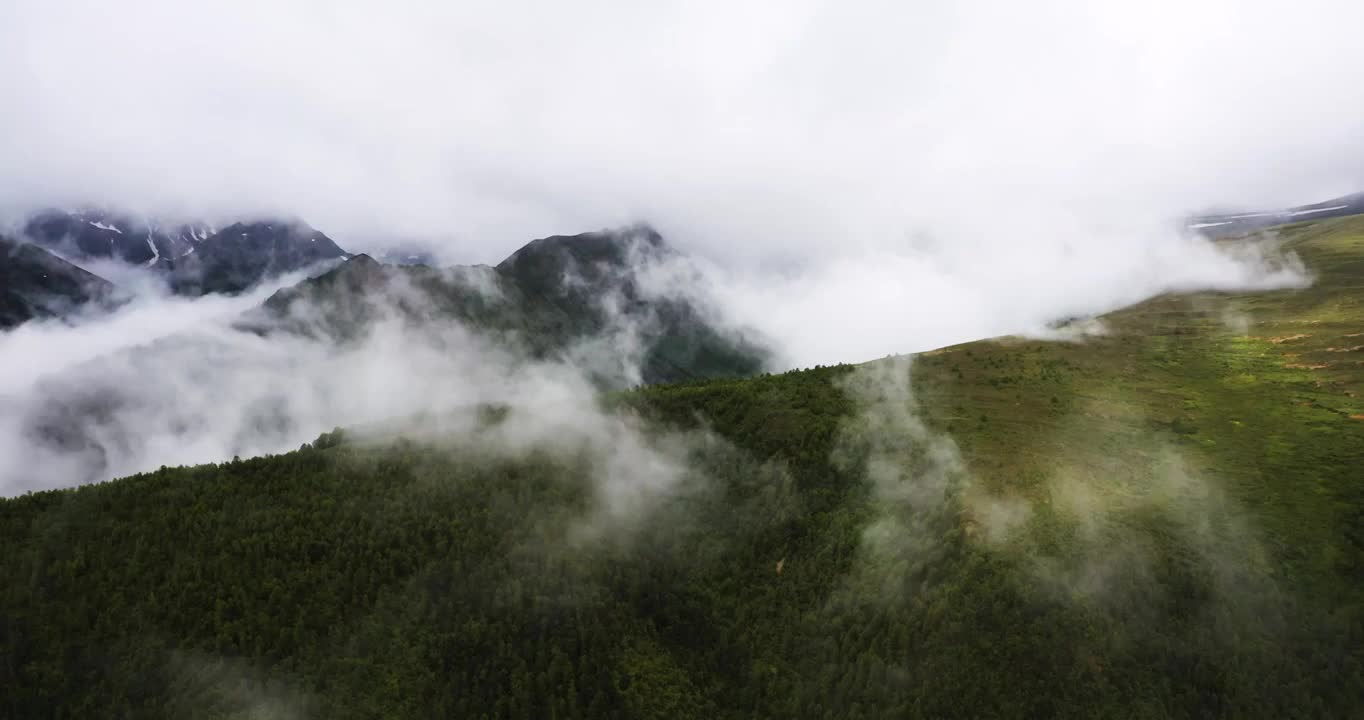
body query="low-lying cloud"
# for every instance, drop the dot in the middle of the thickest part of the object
(167, 381)
(865, 306)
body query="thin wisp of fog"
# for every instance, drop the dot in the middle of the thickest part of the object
(845, 181)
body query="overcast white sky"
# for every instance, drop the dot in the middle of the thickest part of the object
(749, 131)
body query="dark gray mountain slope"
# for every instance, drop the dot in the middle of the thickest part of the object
(34, 283)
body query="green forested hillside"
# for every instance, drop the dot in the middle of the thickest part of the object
(1162, 520)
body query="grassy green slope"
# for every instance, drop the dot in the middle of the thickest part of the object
(1164, 520)
(1258, 393)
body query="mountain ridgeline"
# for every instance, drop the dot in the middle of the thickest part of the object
(1232, 224)
(243, 254)
(620, 304)
(194, 257)
(611, 302)
(93, 233)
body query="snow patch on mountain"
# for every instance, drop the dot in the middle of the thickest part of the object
(156, 254)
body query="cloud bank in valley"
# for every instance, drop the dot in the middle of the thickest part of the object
(147, 390)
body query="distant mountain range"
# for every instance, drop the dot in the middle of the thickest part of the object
(243, 254)
(106, 234)
(1240, 222)
(586, 298)
(610, 303)
(195, 257)
(407, 253)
